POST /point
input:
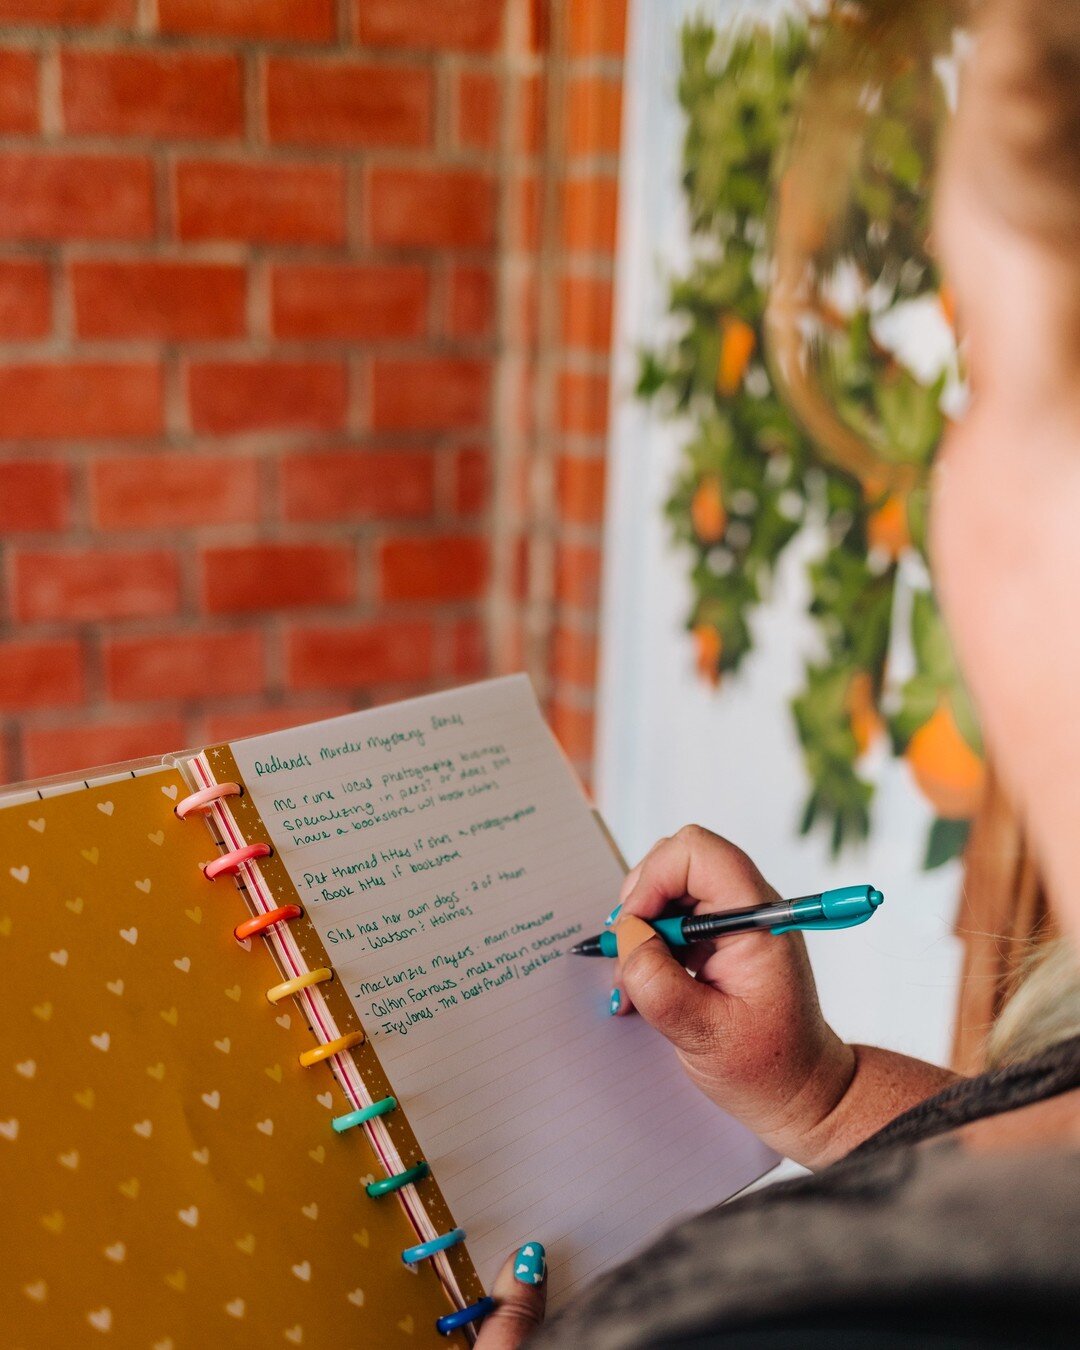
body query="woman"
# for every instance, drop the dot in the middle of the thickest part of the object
(955, 1223)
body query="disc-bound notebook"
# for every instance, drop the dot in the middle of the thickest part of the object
(307, 1076)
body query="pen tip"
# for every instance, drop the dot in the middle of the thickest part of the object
(578, 949)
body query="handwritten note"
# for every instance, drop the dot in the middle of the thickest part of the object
(449, 860)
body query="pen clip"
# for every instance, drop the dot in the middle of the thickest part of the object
(822, 925)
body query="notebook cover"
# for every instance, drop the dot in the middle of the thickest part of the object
(249, 823)
(169, 1174)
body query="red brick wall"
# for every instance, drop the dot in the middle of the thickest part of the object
(277, 383)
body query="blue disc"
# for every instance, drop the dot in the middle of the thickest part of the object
(423, 1250)
(380, 1108)
(452, 1321)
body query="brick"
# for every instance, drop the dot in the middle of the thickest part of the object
(355, 485)
(478, 110)
(18, 92)
(534, 29)
(234, 396)
(68, 12)
(586, 306)
(40, 674)
(82, 746)
(577, 575)
(431, 208)
(575, 730)
(449, 25)
(260, 203)
(471, 302)
(85, 586)
(353, 103)
(593, 116)
(441, 567)
(235, 724)
(583, 402)
(254, 578)
(25, 300)
(88, 399)
(283, 20)
(360, 655)
(596, 29)
(35, 494)
(470, 659)
(532, 115)
(163, 491)
(589, 214)
(521, 560)
(574, 657)
(581, 489)
(527, 202)
(184, 666)
(162, 300)
(72, 196)
(429, 393)
(472, 481)
(349, 301)
(185, 95)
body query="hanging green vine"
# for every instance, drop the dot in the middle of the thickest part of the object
(750, 480)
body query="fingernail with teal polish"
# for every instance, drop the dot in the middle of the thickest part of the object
(616, 1002)
(612, 916)
(530, 1266)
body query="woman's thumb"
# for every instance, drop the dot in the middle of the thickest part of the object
(662, 991)
(520, 1294)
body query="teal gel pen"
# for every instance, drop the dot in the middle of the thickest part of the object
(843, 907)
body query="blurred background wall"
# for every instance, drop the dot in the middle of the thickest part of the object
(305, 312)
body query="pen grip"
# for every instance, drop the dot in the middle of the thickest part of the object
(673, 931)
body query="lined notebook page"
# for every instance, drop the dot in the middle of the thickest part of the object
(449, 859)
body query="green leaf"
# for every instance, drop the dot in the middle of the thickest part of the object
(945, 842)
(918, 700)
(933, 650)
(967, 722)
(652, 375)
(918, 510)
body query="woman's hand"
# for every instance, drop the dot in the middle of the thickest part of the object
(744, 1018)
(746, 1022)
(520, 1294)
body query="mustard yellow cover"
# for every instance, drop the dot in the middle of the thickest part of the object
(168, 1171)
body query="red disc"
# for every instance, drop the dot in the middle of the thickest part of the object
(261, 922)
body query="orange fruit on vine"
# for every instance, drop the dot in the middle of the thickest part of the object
(866, 724)
(707, 513)
(887, 528)
(949, 774)
(737, 343)
(709, 647)
(947, 301)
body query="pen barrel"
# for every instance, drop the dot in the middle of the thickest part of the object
(700, 927)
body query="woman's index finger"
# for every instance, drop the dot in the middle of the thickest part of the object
(699, 867)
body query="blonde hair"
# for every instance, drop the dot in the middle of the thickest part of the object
(1044, 1010)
